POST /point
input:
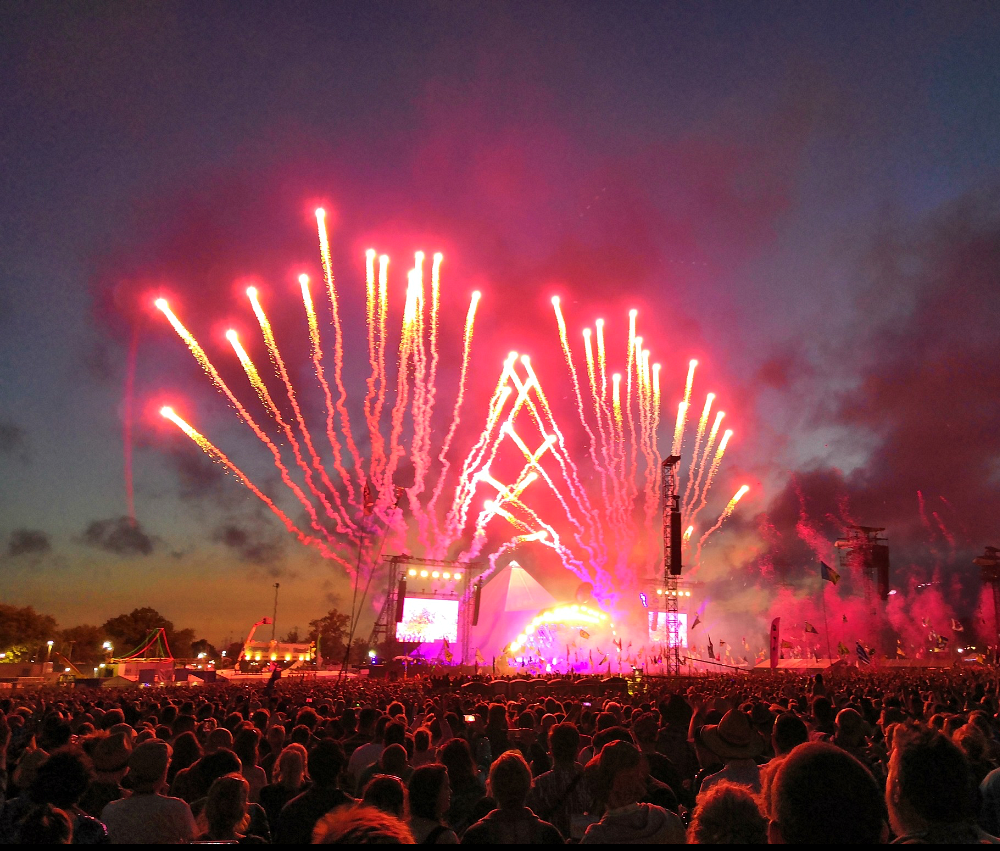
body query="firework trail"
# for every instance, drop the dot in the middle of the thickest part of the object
(317, 359)
(592, 518)
(279, 364)
(699, 436)
(470, 319)
(128, 416)
(255, 380)
(338, 350)
(716, 463)
(682, 410)
(730, 507)
(948, 536)
(216, 454)
(703, 461)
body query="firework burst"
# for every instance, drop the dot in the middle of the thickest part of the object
(590, 495)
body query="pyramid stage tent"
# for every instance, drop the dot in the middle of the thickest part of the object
(510, 599)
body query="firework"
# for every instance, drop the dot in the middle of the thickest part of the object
(596, 510)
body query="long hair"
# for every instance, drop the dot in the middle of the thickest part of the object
(290, 767)
(425, 787)
(226, 805)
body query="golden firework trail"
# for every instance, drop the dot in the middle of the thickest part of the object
(598, 518)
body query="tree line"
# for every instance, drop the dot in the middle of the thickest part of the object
(25, 633)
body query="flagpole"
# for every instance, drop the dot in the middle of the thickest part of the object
(826, 625)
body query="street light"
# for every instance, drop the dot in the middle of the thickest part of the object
(48, 651)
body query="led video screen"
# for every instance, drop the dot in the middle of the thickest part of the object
(426, 620)
(658, 628)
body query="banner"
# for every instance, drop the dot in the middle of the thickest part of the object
(775, 642)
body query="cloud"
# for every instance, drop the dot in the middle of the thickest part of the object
(28, 541)
(13, 441)
(251, 548)
(120, 536)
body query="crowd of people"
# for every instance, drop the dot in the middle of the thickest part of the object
(865, 756)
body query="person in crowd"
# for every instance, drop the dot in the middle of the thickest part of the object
(59, 782)
(734, 741)
(672, 739)
(365, 735)
(561, 793)
(361, 826)
(393, 760)
(511, 822)
(45, 825)
(274, 738)
(289, 779)
(299, 816)
(851, 734)
(109, 755)
(187, 751)
(245, 745)
(225, 818)
(931, 792)
(789, 731)
(387, 793)
(467, 789)
(824, 719)
(645, 732)
(823, 795)
(147, 816)
(429, 793)
(422, 753)
(497, 731)
(727, 814)
(621, 785)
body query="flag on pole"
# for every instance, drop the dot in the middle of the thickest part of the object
(584, 634)
(956, 626)
(786, 644)
(900, 653)
(863, 656)
(479, 658)
(618, 643)
(697, 620)
(775, 648)
(810, 628)
(828, 573)
(368, 501)
(711, 649)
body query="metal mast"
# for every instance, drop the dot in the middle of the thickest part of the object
(671, 562)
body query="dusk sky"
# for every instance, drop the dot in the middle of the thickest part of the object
(803, 196)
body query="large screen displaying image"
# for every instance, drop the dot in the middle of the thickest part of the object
(428, 620)
(658, 628)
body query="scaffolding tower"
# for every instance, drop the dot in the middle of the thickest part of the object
(384, 630)
(671, 563)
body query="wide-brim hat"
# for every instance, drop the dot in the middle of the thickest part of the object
(733, 737)
(112, 753)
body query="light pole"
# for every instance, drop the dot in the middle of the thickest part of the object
(274, 620)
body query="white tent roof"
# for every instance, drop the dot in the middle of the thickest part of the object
(514, 590)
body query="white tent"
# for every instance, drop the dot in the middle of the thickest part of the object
(510, 599)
